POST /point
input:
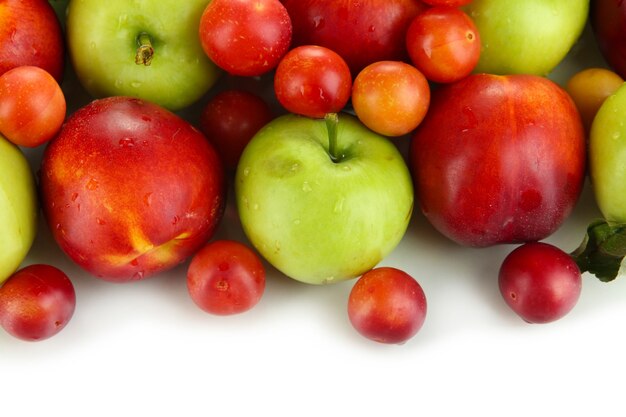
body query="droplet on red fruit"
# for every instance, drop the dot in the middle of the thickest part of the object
(540, 282)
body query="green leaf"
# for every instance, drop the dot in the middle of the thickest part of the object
(602, 250)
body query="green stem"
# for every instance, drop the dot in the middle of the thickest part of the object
(145, 51)
(332, 120)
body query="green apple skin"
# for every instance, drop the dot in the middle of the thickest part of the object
(607, 157)
(526, 37)
(18, 208)
(316, 220)
(102, 39)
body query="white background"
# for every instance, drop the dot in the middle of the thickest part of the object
(146, 348)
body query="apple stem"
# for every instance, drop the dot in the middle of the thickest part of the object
(145, 51)
(332, 120)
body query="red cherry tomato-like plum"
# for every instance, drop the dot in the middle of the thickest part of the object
(32, 106)
(312, 81)
(230, 120)
(540, 282)
(36, 302)
(390, 97)
(226, 277)
(443, 43)
(246, 38)
(387, 305)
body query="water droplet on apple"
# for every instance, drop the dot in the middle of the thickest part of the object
(296, 222)
(119, 83)
(58, 226)
(146, 118)
(127, 142)
(306, 187)
(92, 184)
(255, 206)
(245, 201)
(100, 221)
(616, 135)
(338, 208)
(328, 280)
(147, 199)
(294, 167)
(175, 220)
(346, 168)
(246, 171)
(135, 84)
(92, 45)
(138, 275)
(372, 28)
(74, 196)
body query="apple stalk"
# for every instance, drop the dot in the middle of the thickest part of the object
(332, 120)
(145, 51)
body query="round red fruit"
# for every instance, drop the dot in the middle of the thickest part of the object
(32, 106)
(230, 120)
(390, 97)
(245, 37)
(387, 305)
(312, 81)
(36, 302)
(226, 277)
(443, 43)
(540, 282)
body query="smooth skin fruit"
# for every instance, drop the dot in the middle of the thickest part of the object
(147, 49)
(540, 282)
(32, 106)
(36, 302)
(18, 208)
(321, 213)
(226, 277)
(387, 305)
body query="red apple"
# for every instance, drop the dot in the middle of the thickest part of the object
(31, 34)
(361, 31)
(130, 189)
(608, 20)
(499, 159)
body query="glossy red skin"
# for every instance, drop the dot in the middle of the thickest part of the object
(36, 302)
(32, 106)
(387, 305)
(608, 20)
(391, 97)
(444, 43)
(312, 81)
(129, 189)
(31, 34)
(230, 119)
(361, 31)
(226, 277)
(499, 159)
(540, 282)
(246, 38)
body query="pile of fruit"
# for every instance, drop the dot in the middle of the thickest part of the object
(133, 182)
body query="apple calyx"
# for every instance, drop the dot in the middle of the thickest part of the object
(602, 250)
(332, 120)
(145, 51)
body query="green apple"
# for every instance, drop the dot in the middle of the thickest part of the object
(148, 49)
(18, 208)
(322, 201)
(526, 37)
(607, 157)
